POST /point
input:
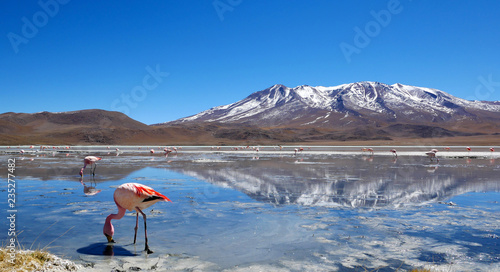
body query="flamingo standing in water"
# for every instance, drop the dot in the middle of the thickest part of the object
(90, 160)
(432, 154)
(132, 196)
(167, 151)
(492, 149)
(394, 152)
(468, 151)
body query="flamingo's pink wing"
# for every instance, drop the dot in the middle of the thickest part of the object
(144, 190)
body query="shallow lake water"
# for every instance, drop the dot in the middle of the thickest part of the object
(324, 209)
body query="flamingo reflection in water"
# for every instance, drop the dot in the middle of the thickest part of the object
(89, 190)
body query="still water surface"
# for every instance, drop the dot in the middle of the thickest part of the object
(268, 210)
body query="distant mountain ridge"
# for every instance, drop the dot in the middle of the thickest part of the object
(348, 105)
(362, 111)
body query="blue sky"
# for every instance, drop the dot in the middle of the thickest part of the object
(159, 61)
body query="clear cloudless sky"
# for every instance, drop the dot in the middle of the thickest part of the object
(159, 61)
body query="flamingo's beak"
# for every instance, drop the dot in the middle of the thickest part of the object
(110, 238)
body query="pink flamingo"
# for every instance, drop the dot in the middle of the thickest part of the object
(167, 151)
(447, 148)
(132, 196)
(370, 150)
(298, 150)
(394, 152)
(152, 151)
(492, 149)
(468, 149)
(90, 160)
(432, 154)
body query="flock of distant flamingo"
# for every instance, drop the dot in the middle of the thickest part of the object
(167, 150)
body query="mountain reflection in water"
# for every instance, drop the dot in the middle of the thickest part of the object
(308, 179)
(347, 181)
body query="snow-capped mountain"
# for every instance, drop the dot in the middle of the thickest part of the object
(348, 105)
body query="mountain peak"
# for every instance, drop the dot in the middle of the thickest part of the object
(349, 104)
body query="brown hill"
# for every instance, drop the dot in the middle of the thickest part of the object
(99, 127)
(85, 126)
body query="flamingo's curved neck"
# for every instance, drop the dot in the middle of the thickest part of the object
(108, 227)
(119, 215)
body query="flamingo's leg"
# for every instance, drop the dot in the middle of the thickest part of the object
(148, 251)
(93, 171)
(136, 225)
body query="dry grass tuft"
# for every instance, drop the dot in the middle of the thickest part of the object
(34, 260)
